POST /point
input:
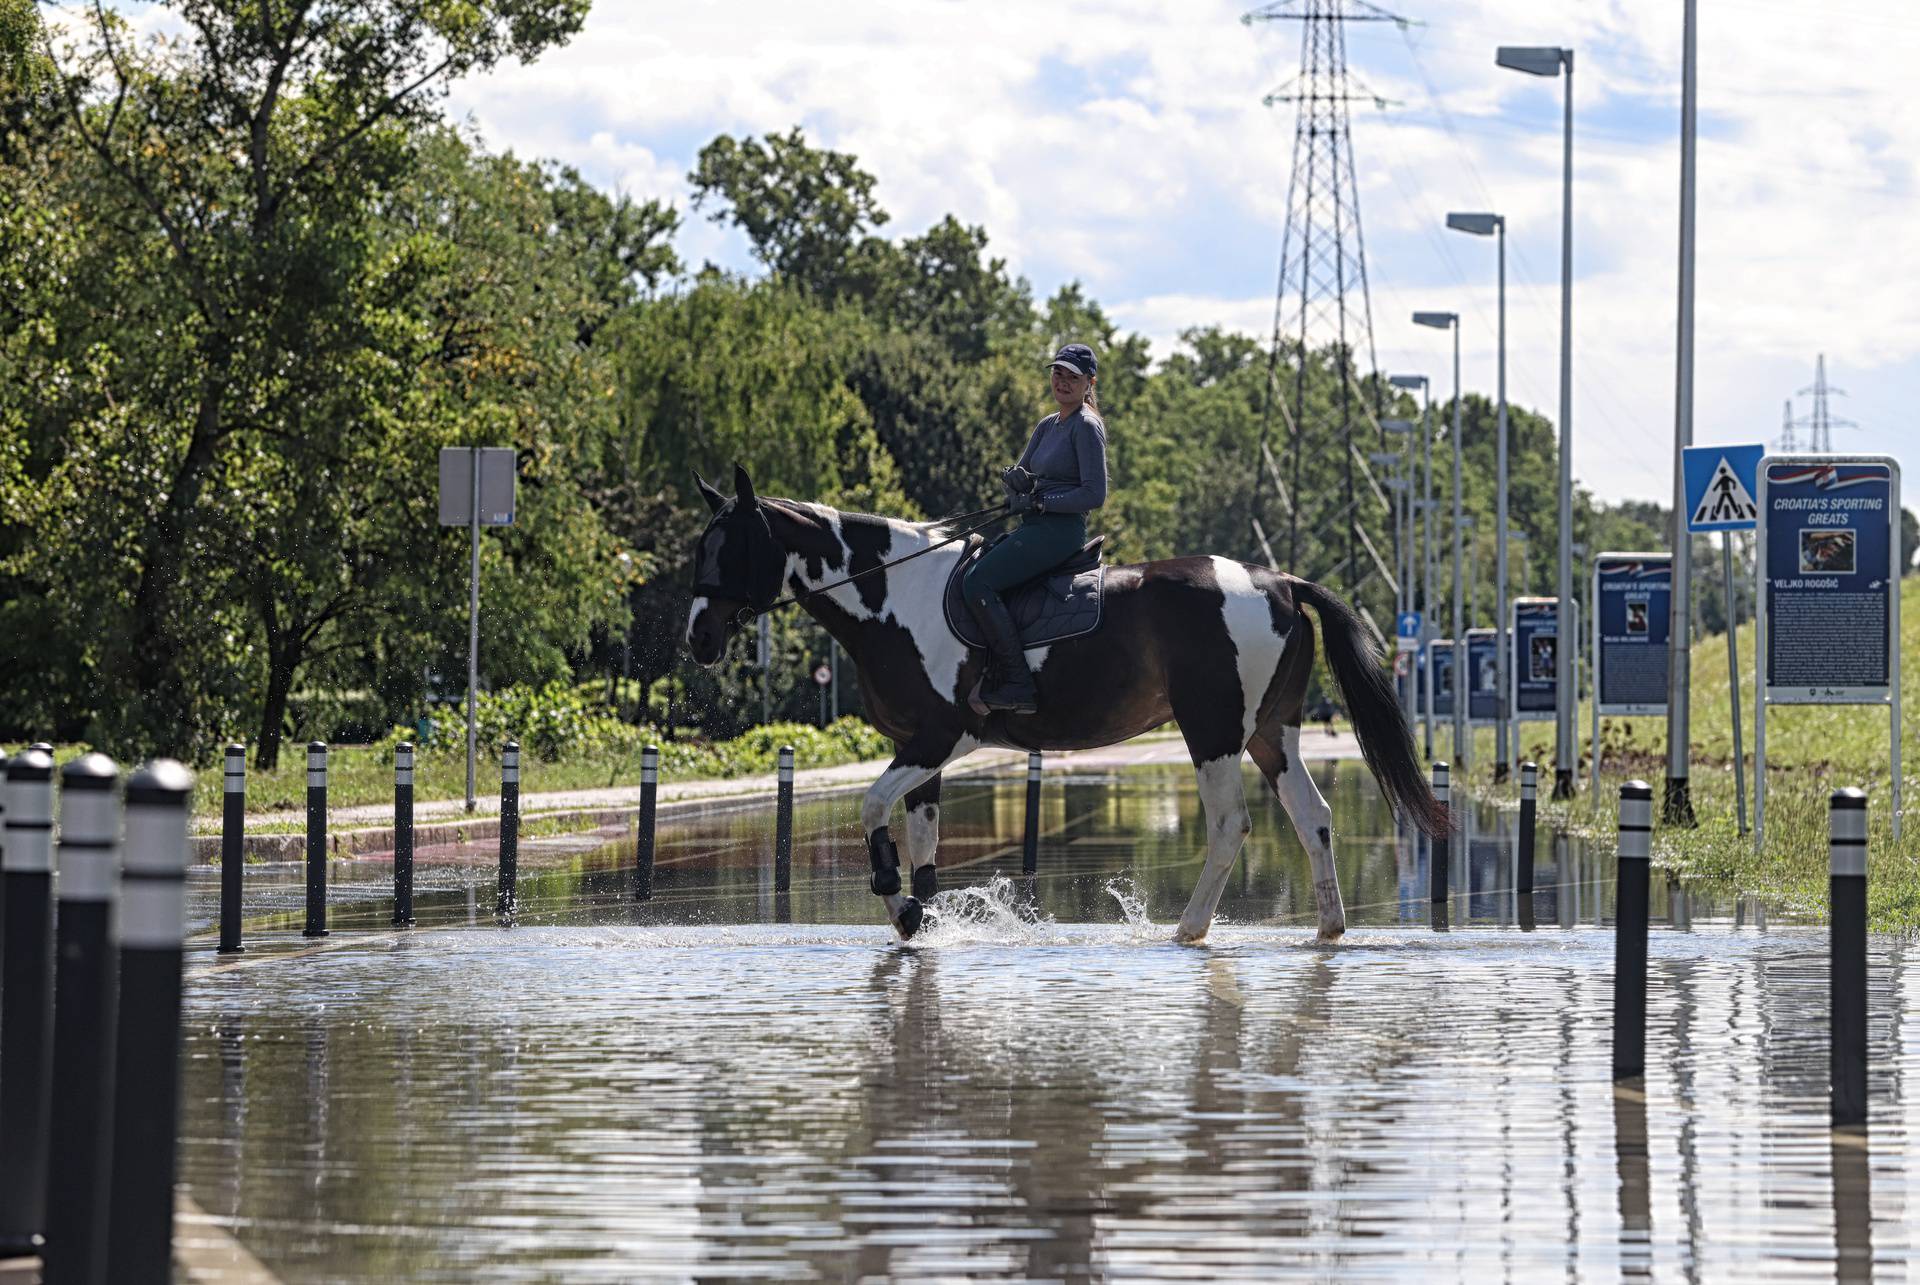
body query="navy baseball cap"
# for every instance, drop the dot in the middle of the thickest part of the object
(1078, 358)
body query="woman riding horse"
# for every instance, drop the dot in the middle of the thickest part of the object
(1061, 477)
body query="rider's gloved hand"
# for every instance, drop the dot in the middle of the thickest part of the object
(1017, 480)
(1023, 502)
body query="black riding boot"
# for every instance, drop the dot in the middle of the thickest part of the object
(1009, 683)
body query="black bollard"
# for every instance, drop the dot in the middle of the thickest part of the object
(1847, 967)
(783, 824)
(403, 835)
(233, 842)
(1529, 775)
(1439, 858)
(507, 899)
(146, 1101)
(316, 840)
(86, 986)
(1030, 850)
(1630, 931)
(643, 844)
(26, 1002)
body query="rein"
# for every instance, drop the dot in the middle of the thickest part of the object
(749, 613)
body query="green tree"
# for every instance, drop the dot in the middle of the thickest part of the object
(251, 152)
(803, 209)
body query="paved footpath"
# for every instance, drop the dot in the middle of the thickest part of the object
(366, 829)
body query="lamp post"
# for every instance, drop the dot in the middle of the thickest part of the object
(1549, 61)
(1677, 807)
(1495, 226)
(1451, 321)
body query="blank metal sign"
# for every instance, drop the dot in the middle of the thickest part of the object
(496, 485)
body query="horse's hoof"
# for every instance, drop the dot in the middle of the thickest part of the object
(1330, 935)
(1185, 936)
(908, 921)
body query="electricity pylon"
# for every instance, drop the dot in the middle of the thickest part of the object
(1820, 422)
(1321, 302)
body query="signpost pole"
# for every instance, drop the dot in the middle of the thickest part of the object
(473, 613)
(1733, 679)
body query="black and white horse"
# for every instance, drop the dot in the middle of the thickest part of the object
(1217, 645)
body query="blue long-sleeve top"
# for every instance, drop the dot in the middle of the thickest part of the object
(1069, 459)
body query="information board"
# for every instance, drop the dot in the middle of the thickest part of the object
(1440, 676)
(1536, 644)
(1829, 541)
(1827, 608)
(1633, 596)
(1483, 677)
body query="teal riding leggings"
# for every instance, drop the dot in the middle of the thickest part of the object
(1041, 542)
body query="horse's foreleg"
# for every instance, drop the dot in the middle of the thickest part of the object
(923, 836)
(1224, 798)
(916, 762)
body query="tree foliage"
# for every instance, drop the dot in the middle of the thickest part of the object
(252, 283)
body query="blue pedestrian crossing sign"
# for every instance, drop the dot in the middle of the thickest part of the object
(1721, 481)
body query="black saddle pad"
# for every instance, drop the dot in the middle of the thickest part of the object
(1063, 603)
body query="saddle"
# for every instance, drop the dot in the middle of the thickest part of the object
(1063, 603)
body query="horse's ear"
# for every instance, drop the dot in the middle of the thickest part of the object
(743, 488)
(714, 499)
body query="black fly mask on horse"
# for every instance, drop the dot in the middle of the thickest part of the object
(739, 560)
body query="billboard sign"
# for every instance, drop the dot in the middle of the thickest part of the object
(1536, 638)
(1483, 677)
(1633, 600)
(1440, 676)
(1827, 606)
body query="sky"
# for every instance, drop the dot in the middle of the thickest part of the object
(1124, 144)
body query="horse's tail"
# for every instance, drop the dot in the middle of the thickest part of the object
(1386, 740)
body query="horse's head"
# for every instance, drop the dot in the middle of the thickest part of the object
(737, 568)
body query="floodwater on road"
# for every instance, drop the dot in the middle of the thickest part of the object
(728, 1083)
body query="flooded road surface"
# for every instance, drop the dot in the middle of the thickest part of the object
(727, 1084)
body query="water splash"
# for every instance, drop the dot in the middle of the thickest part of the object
(997, 912)
(1133, 909)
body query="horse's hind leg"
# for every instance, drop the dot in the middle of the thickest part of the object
(1277, 750)
(923, 835)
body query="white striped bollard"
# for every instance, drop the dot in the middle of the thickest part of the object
(1529, 803)
(643, 839)
(1439, 858)
(26, 1002)
(403, 835)
(233, 844)
(1030, 845)
(316, 840)
(783, 824)
(1630, 930)
(1847, 966)
(507, 898)
(86, 989)
(146, 1101)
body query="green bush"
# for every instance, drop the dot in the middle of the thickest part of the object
(559, 723)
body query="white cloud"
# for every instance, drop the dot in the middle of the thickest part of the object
(1123, 143)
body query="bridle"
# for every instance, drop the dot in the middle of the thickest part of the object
(761, 538)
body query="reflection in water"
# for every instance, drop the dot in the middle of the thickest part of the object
(1631, 1164)
(1040, 1087)
(1852, 1206)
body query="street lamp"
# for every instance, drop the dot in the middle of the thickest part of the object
(1451, 321)
(1495, 226)
(1548, 61)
